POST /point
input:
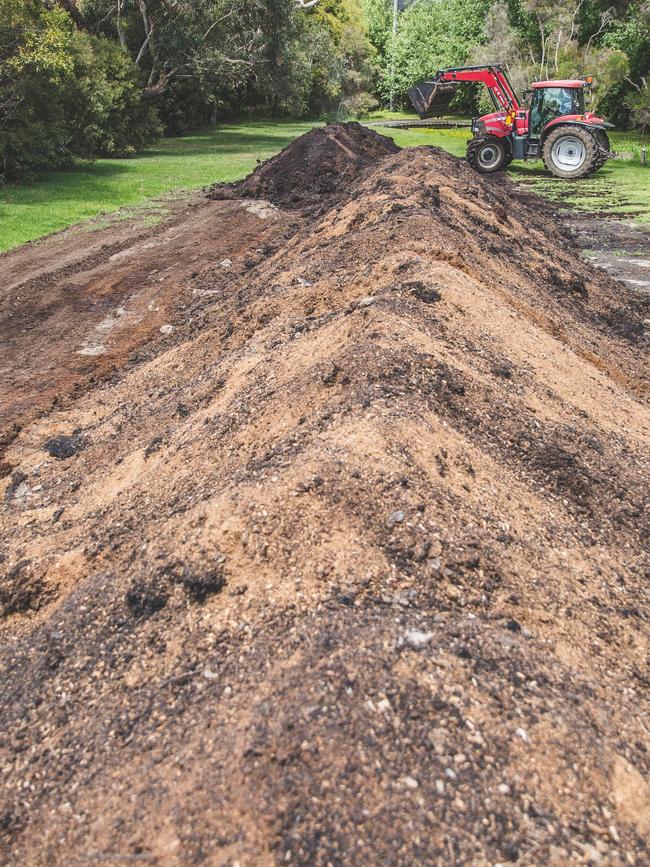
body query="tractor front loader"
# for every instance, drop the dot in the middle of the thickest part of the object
(572, 142)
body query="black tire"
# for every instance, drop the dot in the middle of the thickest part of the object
(603, 139)
(571, 152)
(605, 147)
(486, 154)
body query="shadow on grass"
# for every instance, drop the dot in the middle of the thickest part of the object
(538, 172)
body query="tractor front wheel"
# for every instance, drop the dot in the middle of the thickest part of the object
(570, 152)
(487, 154)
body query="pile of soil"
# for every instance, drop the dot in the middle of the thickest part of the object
(315, 166)
(353, 566)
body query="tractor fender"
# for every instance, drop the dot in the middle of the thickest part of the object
(563, 121)
(490, 132)
(482, 129)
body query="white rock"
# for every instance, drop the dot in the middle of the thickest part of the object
(417, 640)
(592, 853)
(166, 329)
(226, 263)
(411, 783)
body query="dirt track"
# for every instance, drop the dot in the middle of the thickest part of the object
(352, 566)
(74, 306)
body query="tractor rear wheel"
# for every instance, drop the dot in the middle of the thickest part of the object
(605, 147)
(570, 152)
(487, 154)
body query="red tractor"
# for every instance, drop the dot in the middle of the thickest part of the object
(572, 142)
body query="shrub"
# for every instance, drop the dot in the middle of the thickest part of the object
(63, 93)
(107, 111)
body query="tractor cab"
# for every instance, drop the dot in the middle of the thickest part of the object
(552, 100)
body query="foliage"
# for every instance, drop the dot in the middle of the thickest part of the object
(237, 55)
(356, 70)
(551, 50)
(609, 39)
(103, 103)
(36, 58)
(640, 105)
(90, 77)
(63, 93)
(431, 35)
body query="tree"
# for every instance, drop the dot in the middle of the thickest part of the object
(432, 34)
(170, 39)
(353, 72)
(62, 93)
(542, 39)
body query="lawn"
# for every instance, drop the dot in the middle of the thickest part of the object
(230, 152)
(64, 198)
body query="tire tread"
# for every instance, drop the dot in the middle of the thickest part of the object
(592, 164)
(473, 147)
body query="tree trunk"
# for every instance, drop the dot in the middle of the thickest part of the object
(72, 9)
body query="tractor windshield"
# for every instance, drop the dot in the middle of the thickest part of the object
(551, 102)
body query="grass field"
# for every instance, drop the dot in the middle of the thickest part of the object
(64, 198)
(230, 152)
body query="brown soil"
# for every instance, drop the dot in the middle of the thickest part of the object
(73, 306)
(314, 169)
(352, 566)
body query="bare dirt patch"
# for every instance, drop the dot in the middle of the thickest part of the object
(76, 305)
(622, 248)
(353, 565)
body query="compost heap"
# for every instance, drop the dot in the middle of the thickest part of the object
(353, 567)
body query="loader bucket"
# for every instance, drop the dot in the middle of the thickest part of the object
(432, 98)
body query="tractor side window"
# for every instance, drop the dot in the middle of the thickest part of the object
(551, 102)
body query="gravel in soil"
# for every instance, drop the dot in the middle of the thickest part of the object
(353, 564)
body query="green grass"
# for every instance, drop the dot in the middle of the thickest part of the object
(228, 153)
(390, 115)
(452, 140)
(61, 199)
(411, 115)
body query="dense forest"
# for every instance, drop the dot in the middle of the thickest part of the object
(81, 78)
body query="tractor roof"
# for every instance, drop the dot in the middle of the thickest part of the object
(572, 82)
